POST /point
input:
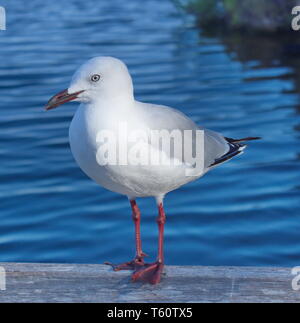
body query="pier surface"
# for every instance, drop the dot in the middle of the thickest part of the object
(98, 283)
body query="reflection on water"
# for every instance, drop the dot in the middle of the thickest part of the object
(244, 213)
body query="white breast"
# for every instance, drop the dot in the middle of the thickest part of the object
(130, 180)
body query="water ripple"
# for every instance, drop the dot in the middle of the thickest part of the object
(244, 213)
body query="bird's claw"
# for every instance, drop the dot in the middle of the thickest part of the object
(135, 264)
(150, 273)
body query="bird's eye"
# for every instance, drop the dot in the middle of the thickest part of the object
(95, 78)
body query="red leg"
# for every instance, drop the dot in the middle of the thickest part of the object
(136, 215)
(138, 261)
(151, 273)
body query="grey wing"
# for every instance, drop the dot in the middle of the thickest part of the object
(162, 117)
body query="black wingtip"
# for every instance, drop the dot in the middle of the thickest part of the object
(234, 141)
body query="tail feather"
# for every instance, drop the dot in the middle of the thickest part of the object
(236, 147)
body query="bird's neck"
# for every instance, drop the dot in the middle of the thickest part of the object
(112, 104)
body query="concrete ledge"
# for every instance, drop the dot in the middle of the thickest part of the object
(98, 283)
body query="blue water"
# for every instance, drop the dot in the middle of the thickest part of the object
(246, 212)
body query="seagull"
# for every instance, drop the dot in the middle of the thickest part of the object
(109, 120)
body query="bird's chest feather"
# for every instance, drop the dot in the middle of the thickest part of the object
(93, 137)
(103, 145)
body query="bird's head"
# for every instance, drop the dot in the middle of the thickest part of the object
(100, 78)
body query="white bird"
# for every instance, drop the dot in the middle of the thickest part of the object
(104, 87)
